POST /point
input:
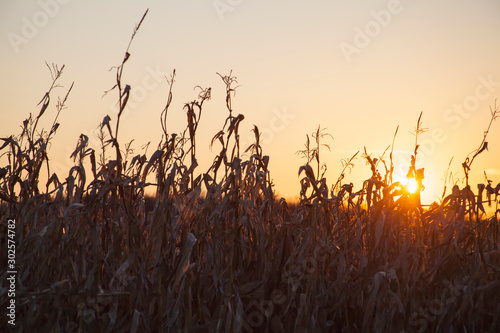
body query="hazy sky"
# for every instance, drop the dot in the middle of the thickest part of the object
(358, 68)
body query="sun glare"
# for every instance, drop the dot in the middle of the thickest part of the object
(412, 185)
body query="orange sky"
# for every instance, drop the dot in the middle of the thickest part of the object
(359, 69)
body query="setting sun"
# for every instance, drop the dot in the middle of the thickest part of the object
(411, 185)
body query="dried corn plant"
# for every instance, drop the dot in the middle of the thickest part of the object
(215, 251)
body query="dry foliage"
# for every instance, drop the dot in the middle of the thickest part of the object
(216, 252)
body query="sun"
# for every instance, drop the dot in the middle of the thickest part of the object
(412, 186)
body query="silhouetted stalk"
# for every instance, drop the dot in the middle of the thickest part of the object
(466, 165)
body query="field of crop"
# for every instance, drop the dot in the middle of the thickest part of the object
(216, 251)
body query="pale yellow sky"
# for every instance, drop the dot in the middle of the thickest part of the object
(359, 69)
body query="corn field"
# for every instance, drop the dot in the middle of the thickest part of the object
(217, 251)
